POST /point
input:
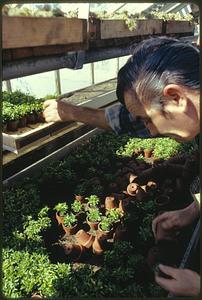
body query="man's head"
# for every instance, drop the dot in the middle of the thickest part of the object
(160, 83)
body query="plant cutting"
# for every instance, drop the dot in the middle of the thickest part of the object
(105, 227)
(70, 223)
(13, 118)
(93, 218)
(114, 215)
(93, 201)
(78, 208)
(61, 210)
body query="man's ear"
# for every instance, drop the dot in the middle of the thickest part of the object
(175, 95)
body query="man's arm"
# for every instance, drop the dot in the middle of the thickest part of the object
(61, 111)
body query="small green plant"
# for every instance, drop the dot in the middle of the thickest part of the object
(114, 215)
(77, 206)
(61, 208)
(93, 201)
(106, 224)
(94, 215)
(70, 220)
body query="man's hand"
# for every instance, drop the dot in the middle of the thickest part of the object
(57, 111)
(184, 282)
(176, 219)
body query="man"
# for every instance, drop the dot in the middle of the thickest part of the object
(159, 91)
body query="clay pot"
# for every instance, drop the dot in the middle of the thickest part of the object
(59, 218)
(110, 202)
(80, 198)
(99, 244)
(125, 205)
(162, 200)
(132, 189)
(151, 185)
(31, 119)
(104, 234)
(84, 238)
(70, 230)
(132, 178)
(93, 225)
(36, 296)
(147, 153)
(152, 256)
(74, 251)
(22, 122)
(12, 125)
(140, 194)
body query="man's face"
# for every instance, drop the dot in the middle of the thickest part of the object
(180, 126)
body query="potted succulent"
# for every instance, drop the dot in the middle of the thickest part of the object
(84, 238)
(93, 201)
(105, 227)
(31, 117)
(80, 192)
(78, 208)
(13, 117)
(114, 215)
(93, 218)
(61, 210)
(70, 223)
(22, 115)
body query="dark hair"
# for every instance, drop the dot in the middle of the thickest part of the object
(155, 63)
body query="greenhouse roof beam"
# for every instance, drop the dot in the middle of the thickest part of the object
(71, 60)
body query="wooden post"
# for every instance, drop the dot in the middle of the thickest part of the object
(57, 82)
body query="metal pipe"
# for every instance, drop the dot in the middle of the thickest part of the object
(72, 60)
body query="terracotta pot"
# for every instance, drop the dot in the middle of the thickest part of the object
(147, 153)
(80, 198)
(70, 230)
(132, 178)
(12, 125)
(162, 200)
(104, 234)
(124, 205)
(151, 185)
(74, 251)
(59, 218)
(132, 189)
(37, 296)
(93, 225)
(22, 122)
(99, 245)
(31, 119)
(110, 202)
(152, 256)
(84, 238)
